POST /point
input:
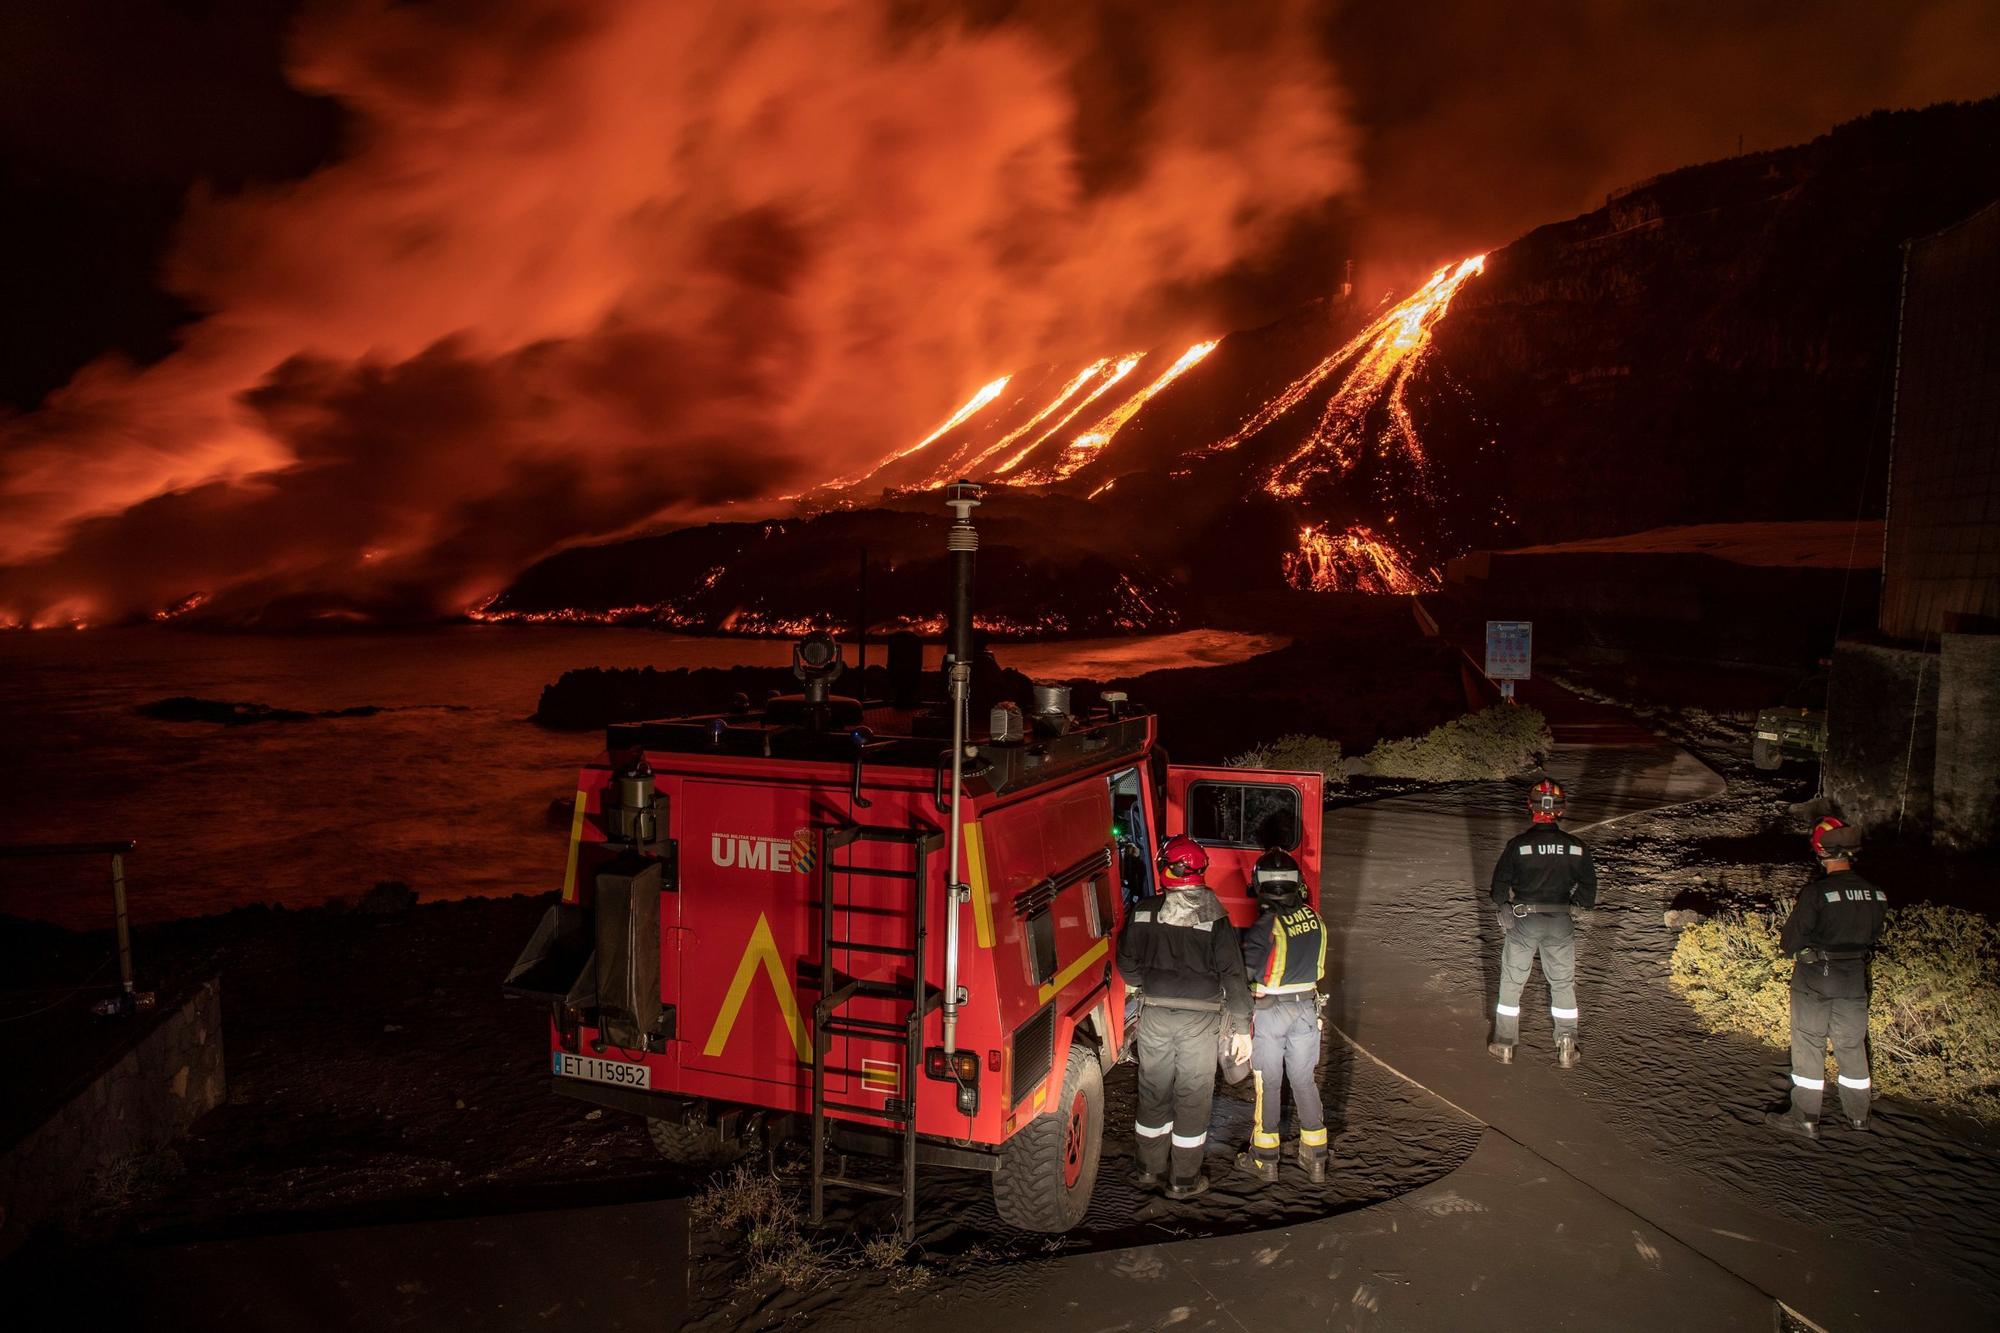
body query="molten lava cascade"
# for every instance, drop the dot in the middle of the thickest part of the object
(1089, 444)
(1352, 561)
(1116, 373)
(1069, 390)
(1395, 345)
(972, 406)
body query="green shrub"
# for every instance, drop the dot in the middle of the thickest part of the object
(1495, 742)
(1934, 1025)
(1297, 752)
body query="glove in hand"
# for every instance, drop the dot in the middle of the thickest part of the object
(1239, 1048)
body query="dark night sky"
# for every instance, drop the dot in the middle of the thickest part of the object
(142, 138)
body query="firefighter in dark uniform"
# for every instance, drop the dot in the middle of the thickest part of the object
(1830, 934)
(1284, 953)
(1180, 949)
(1543, 873)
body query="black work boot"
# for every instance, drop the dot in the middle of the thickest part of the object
(1144, 1179)
(1188, 1189)
(1791, 1122)
(1567, 1054)
(1860, 1126)
(1266, 1170)
(1315, 1166)
(1503, 1051)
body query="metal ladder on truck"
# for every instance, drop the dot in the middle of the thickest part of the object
(838, 989)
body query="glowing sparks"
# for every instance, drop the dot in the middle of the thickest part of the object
(1352, 561)
(1089, 444)
(972, 406)
(1110, 377)
(1392, 349)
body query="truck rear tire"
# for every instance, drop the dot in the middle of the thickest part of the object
(1765, 754)
(692, 1145)
(1048, 1169)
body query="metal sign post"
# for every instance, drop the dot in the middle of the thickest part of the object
(1510, 651)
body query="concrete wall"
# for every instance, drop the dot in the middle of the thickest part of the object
(1967, 779)
(170, 1077)
(1941, 569)
(1881, 723)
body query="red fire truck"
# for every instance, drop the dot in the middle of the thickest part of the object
(878, 926)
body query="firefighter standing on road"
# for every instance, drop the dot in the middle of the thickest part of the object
(1830, 934)
(1284, 953)
(1180, 949)
(1542, 874)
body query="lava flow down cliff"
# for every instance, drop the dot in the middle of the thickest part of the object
(1711, 345)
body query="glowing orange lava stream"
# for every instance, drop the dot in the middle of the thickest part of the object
(1111, 377)
(1089, 444)
(1081, 378)
(972, 405)
(1395, 345)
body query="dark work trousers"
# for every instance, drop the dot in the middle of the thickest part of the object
(1553, 936)
(1177, 1055)
(1830, 1000)
(1284, 1043)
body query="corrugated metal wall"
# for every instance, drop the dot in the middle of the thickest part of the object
(1941, 557)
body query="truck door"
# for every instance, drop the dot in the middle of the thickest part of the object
(1238, 814)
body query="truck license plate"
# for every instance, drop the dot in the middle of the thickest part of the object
(618, 1073)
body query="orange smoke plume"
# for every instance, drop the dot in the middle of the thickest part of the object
(588, 267)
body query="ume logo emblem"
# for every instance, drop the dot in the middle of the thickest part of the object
(744, 852)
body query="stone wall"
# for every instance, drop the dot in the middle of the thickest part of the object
(171, 1076)
(1968, 741)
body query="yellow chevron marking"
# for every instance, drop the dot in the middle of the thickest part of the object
(762, 950)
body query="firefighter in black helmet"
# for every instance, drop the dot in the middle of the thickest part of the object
(1180, 949)
(1284, 953)
(1830, 934)
(1543, 873)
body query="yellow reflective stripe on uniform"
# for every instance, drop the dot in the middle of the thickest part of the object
(1274, 966)
(1312, 1138)
(1259, 1136)
(1296, 988)
(1319, 969)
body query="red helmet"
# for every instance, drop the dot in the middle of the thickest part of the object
(1183, 861)
(1834, 839)
(1545, 801)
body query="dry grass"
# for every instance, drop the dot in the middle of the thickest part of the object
(779, 1250)
(1297, 752)
(1495, 742)
(1934, 1025)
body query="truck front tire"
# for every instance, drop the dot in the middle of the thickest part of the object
(1048, 1169)
(1765, 754)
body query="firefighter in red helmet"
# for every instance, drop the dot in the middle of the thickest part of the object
(1179, 948)
(1543, 874)
(1830, 935)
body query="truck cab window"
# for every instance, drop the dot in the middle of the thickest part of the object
(1244, 814)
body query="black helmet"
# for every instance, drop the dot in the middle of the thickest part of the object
(1277, 880)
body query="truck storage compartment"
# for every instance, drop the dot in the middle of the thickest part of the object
(626, 909)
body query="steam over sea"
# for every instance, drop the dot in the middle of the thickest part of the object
(447, 789)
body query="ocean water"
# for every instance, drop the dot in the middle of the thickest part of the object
(447, 789)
